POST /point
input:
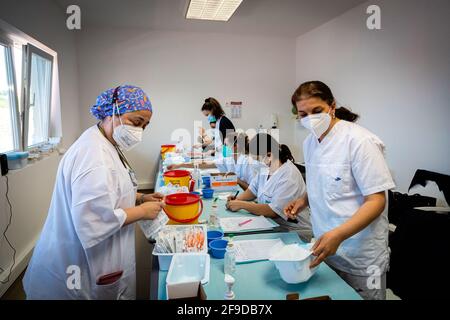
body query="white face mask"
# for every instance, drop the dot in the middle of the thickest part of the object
(126, 136)
(318, 124)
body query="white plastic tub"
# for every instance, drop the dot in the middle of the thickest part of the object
(185, 273)
(293, 261)
(166, 258)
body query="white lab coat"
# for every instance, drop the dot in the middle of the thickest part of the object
(340, 171)
(84, 226)
(245, 169)
(218, 140)
(225, 164)
(285, 185)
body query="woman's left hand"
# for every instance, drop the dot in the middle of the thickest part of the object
(234, 205)
(153, 197)
(326, 246)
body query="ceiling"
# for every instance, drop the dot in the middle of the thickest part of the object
(287, 18)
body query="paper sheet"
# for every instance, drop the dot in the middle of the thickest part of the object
(256, 250)
(257, 223)
(152, 227)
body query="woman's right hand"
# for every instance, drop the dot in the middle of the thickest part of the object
(295, 207)
(152, 209)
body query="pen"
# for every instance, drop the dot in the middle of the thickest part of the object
(245, 222)
(235, 196)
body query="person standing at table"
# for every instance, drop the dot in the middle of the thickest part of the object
(214, 111)
(347, 179)
(87, 248)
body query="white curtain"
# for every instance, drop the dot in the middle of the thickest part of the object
(40, 95)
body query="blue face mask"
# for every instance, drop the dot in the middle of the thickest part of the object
(227, 151)
(211, 118)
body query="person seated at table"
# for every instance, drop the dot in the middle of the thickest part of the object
(206, 141)
(276, 185)
(235, 159)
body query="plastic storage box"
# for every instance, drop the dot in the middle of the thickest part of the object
(17, 160)
(166, 258)
(185, 272)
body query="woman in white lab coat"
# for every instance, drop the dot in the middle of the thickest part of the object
(347, 178)
(86, 248)
(277, 182)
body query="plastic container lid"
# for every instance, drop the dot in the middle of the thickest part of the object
(177, 174)
(17, 155)
(181, 199)
(168, 146)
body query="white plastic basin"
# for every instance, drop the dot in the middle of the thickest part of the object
(293, 261)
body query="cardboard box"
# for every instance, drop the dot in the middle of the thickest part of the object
(224, 182)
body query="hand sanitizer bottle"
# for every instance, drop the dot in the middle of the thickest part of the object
(230, 259)
(198, 178)
(213, 219)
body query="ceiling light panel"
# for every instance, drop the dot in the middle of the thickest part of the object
(216, 10)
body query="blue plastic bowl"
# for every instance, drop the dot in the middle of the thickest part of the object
(207, 181)
(214, 235)
(208, 193)
(218, 248)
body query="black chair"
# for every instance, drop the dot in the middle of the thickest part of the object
(420, 248)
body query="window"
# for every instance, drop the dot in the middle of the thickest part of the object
(9, 127)
(38, 96)
(29, 93)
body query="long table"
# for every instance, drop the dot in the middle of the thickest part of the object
(258, 280)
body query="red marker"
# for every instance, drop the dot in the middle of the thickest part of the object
(245, 222)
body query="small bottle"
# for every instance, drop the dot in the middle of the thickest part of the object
(213, 219)
(197, 177)
(230, 259)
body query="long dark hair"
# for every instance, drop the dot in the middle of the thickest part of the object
(318, 89)
(213, 106)
(263, 143)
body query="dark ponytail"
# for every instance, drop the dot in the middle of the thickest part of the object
(213, 106)
(285, 154)
(345, 114)
(318, 89)
(264, 143)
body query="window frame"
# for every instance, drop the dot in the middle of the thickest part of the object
(13, 93)
(28, 51)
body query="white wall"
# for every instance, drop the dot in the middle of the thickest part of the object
(31, 188)
(179, 70)
(397, 78)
